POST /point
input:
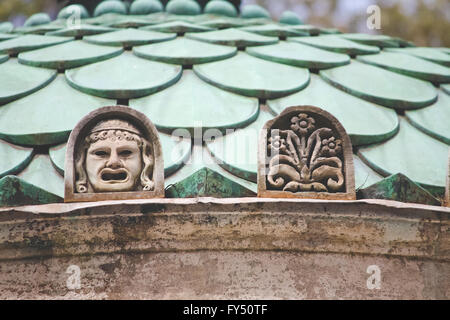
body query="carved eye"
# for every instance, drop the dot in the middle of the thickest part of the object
(101, 153)
(125, 153)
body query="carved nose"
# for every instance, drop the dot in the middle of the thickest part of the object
(114, 161)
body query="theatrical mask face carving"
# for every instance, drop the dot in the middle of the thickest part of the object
(114, 158)
(113, 165)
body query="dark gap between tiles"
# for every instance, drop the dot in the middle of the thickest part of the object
(180, 34)
(187, 66)
(315, 71)
(41, 149)
(282, 38)
(79, 37)
(123, 102)
(128, 48)
(400, 112)
(241, 48)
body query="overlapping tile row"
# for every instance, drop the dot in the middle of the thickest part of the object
(213, 81)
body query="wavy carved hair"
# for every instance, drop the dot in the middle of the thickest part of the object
(146, 183)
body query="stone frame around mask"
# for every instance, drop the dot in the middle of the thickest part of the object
(80, 131)
(347, 154)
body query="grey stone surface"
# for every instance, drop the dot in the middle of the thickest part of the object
(207, 248)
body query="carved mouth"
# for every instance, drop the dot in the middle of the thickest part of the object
(114, 176)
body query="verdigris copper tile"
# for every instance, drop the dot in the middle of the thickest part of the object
(196, 104)
(398, 187)
(14, 158)
(364, 175)
(183, 7)
(200, 160)
(6, 27)
(290, 18)
(310, 30)
(299, 55)
(381, 86)
(430, 54)
(131, 22)
(41, 173)
(175, 153)
(232, 37)
(3, 58)
(435, 119)
(275, 30)
(105, 19)
(184, 51)
(223, 23)
(337, 44)
(330, 31)
(123, 77)
(68, 55)
(253, 77)
(179, 27)
(221, 8)
(237, 151)
(446, 88)
(38, 30)
(365, 122)
(207, 183)
(378, 40)
(21, 80)
(72, 9)
(29, 42)
(409, 65)
(108, 7)
(51, 113)
(129, 37)
(16, 192)
(415, 154)
(80, 31)
(7, 36)
(144, 7)
(251, 11)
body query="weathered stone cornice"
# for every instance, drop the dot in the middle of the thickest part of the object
(369, 227)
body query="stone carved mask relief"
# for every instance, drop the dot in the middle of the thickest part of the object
(113, 153)
(114, 158)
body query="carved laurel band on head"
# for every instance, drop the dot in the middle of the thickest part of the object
(305, 153)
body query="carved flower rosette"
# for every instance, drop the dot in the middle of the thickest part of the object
(305, 155)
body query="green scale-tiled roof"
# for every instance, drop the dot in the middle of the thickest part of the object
(190, 71)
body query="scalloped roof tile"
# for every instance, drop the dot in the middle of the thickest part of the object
(227, 89)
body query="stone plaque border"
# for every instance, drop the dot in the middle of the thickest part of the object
(349, 173)
(103, 113)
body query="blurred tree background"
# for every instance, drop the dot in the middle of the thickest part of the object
(425, 22)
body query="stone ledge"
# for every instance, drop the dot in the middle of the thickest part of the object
(368, 227)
